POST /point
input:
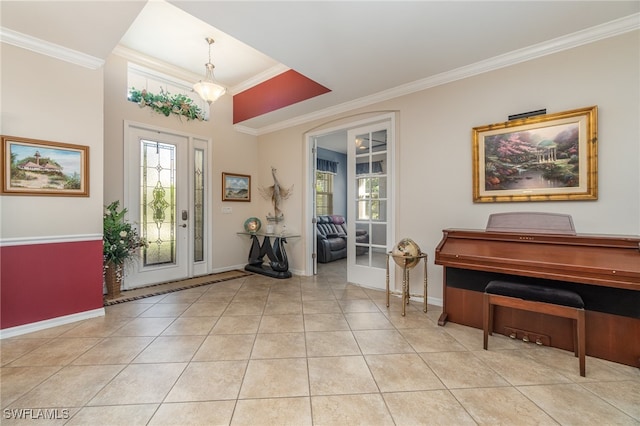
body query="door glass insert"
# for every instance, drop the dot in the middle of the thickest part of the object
(158, 203)
(198, 206)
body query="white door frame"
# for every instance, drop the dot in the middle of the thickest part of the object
(309, 181)
(131, 182)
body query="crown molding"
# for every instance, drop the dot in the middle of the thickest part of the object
(570, 41)
(53, 50)
(260, 78)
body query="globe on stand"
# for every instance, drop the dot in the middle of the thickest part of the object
(406, 248)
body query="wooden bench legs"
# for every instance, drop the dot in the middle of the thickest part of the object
(576, 314)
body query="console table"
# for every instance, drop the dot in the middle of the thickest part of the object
(278, 264)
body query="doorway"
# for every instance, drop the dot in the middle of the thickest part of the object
(167, 196)
(367, 147)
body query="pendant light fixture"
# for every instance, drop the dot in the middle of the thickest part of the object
(208, 89)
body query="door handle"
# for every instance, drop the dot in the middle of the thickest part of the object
(184, 225)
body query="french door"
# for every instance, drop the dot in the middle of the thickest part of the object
(166, 194)
(369, 203)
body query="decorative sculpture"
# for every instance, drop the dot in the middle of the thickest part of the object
(276, 194)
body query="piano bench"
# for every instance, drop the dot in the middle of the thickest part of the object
(536, 298)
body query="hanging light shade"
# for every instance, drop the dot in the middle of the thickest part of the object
(208, 89)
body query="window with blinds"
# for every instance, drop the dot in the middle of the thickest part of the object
(324, 193)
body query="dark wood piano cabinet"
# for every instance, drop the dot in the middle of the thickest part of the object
(603, 269)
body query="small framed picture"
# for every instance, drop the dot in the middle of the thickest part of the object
(236, 187)
(36, 167)
(542, 158)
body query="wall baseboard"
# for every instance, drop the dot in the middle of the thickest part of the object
(50, 323)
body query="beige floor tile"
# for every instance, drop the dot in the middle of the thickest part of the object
(278, 307)
(504, 405)
(313, 306)
(518, 369)
(97, 327)
(206, 381)
(411, 320)
(114, 415)
(165, 310)
(358, 305)
(368, 321)
(12, 349)
(351, 293)
(240, 324)
(140, 384)
(291, 323)
(382, 342)
(586, 408)
(321, 294)
(16, 381)
(245, 308)
(190, 326)
(184, 296)
(331, 343)
(72, 386)
(568, 365)
(340, 375)
(325, 322)
(402, 372)
(625, 395)
(170, 349)
(114, 350)
(279, 345)
(273, 411)
(435, 407)
(202, 309)
(270, 378)
(462, 370)
(60, 351)
(144, 327)
(366, 409)
(433, 339)
(225, 347)
(211, 413)
(126, 310)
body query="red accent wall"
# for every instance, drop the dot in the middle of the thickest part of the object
(278, 92)
(44, 281)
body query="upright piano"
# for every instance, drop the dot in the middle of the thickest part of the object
(603, 269)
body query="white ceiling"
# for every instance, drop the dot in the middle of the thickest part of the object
(358, 49)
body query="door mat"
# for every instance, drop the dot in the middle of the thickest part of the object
(171, 286)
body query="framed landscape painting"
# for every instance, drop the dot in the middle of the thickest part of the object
(236, 187)
(36, 167)
(542, 158)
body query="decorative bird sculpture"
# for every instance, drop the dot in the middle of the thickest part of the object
(276, 194)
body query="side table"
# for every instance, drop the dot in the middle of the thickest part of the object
(278, 263)
(406, 292)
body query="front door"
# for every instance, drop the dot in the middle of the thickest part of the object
(167, 201)
(369, 202)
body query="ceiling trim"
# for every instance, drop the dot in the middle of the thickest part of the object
(47, 48)
(570, 41)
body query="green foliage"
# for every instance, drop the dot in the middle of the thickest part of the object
(120, 240)
(166, 104)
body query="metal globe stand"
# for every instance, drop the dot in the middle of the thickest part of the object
(406, 292)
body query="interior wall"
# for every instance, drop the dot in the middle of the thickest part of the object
(434, 155)
(230, 151)
(48, 99)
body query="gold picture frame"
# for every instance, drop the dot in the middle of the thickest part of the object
(236, 187)
(542, 158)
(38, 167)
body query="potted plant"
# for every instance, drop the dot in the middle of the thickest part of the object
(120, 241)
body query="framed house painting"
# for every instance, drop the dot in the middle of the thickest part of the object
(37, 167)
(542, 158)
(236, 187)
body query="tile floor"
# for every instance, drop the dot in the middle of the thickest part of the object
(303, 351)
